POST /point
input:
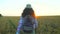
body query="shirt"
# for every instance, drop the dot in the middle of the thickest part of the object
(20, 24)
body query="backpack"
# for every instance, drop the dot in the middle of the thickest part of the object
(28, 24)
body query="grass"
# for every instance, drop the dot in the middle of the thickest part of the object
(46, 25)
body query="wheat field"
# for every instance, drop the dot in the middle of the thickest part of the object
(46, 24)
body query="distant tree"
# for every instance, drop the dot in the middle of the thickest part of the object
(0, 15)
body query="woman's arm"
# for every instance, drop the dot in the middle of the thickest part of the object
(35, 24)
(19, 26)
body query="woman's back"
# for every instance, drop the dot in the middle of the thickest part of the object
(27, 11)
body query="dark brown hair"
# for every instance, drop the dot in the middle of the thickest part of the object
(28, 11)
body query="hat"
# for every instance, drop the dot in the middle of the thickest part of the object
(28, 6)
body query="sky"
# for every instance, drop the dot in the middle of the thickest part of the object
(41, 7)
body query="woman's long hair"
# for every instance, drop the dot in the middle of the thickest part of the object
(28, 11)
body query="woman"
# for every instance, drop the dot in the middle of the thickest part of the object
(27, 11)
